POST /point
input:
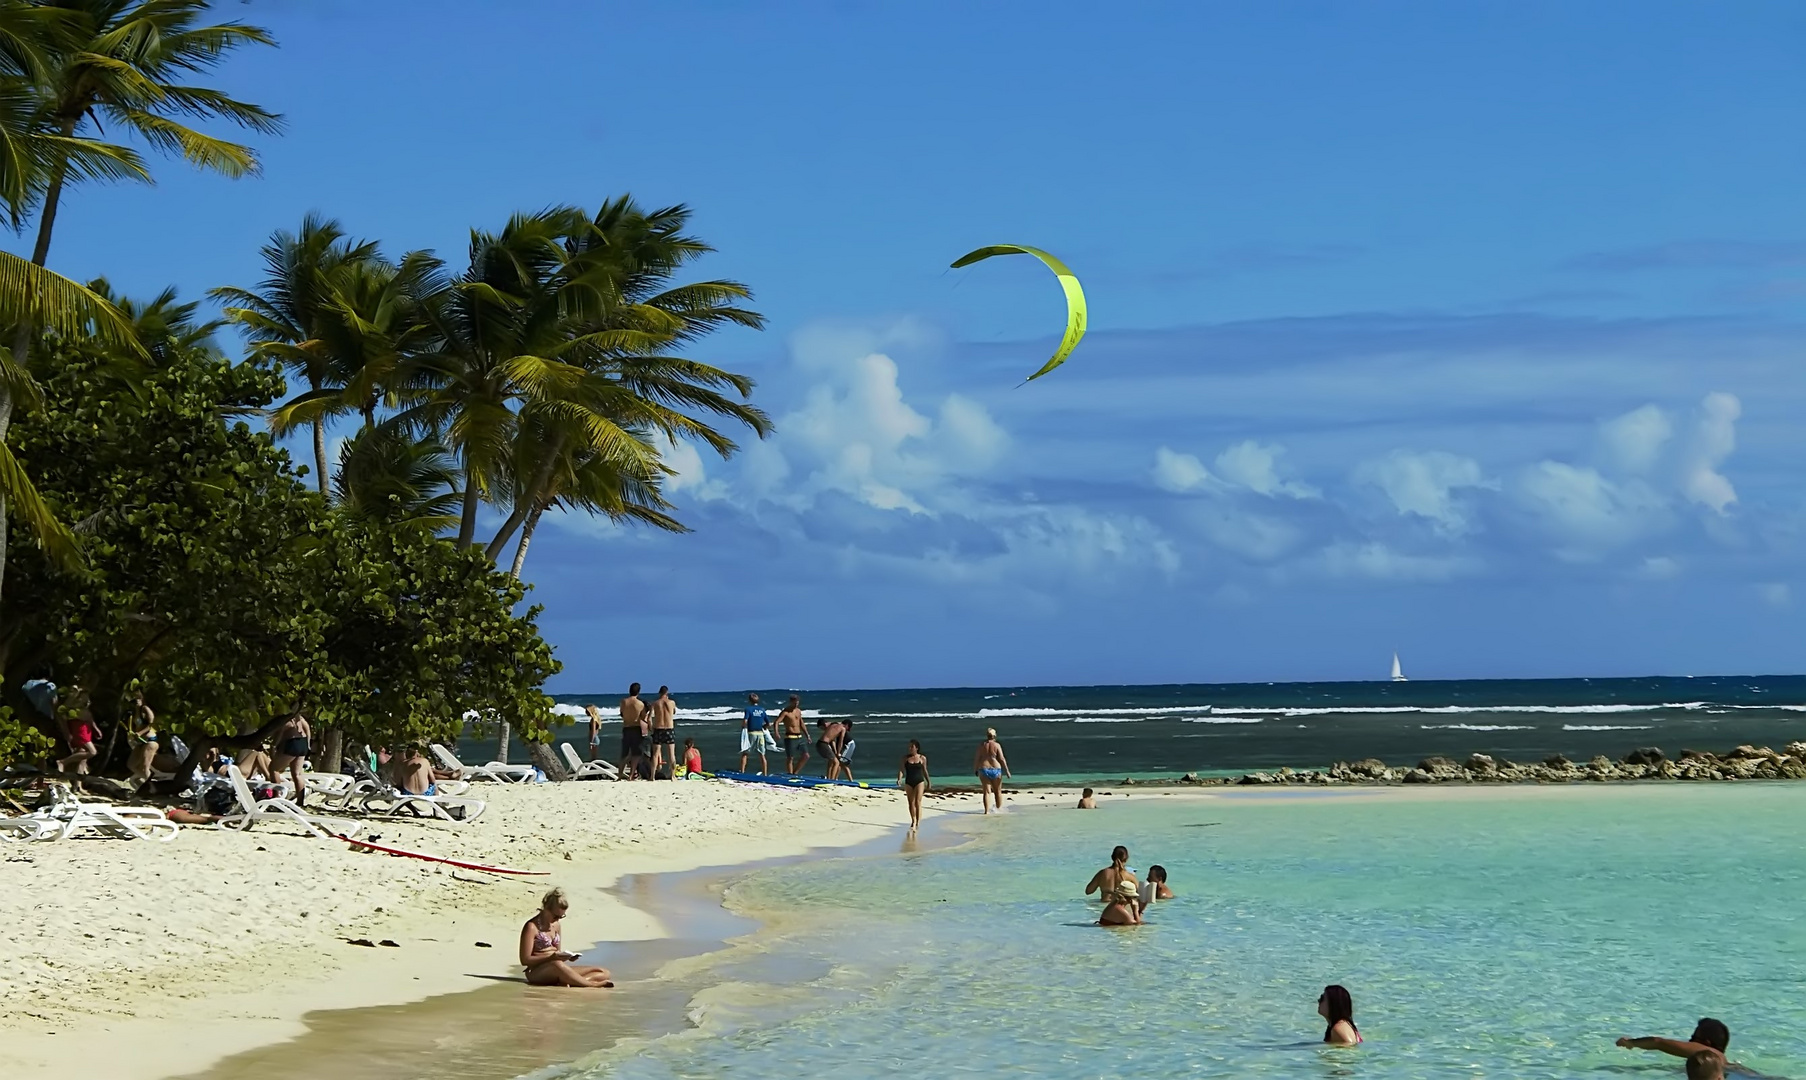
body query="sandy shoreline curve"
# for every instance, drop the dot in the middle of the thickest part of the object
(142, 960)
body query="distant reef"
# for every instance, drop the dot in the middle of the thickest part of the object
(1646, 763)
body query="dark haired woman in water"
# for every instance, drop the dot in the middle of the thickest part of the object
(1106, 880)
(912, 777)
(1336, 1006)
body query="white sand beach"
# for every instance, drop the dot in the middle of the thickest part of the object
(146, 960)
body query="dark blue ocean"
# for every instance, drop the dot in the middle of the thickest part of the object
(1068, 733)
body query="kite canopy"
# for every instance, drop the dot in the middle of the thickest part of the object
(1075, 296)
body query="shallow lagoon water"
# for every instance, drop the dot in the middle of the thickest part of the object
(1483, 932)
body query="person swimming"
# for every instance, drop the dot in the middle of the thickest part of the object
(1087, 801)
(1705, 1065)
(1708, 1035)
(1121, 908)
(1336, 1006)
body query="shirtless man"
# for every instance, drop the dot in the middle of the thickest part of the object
(1088, 801)
(795, 735)
(633, 733)
(664, 732)
(827, 744)
(1709, 1037)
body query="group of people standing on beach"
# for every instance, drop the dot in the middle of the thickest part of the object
(648, 738)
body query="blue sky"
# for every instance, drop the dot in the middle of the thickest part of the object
(1473, 331)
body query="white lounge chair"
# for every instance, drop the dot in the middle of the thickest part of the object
(26, 829)
(586, 770)
(390, 800)
(499, 771)
(68, 816)
(252, 811)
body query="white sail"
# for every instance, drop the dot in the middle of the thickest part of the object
(1398, 673)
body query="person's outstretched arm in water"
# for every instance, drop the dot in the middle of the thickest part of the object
(1708, 1034)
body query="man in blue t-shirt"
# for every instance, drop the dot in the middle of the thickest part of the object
(755, 736)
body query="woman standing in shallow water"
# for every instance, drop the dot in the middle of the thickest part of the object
(542, 949)
(991, 767)
(1336, 1006)
(912, 777)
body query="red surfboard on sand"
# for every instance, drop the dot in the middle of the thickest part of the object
(440, 859)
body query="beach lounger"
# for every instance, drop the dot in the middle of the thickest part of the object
(26, 829)
(586, 770)
(251, 811)
(68, 816)
(499, 771)
(390, 800)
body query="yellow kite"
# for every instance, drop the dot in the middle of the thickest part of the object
(1075, 297)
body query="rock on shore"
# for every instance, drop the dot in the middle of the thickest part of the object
(1643, 763)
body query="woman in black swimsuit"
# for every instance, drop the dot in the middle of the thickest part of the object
(912, 777)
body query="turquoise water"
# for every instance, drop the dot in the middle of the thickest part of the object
(1482, 933)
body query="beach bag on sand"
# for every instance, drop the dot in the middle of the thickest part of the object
(218, 799)
(664, 772)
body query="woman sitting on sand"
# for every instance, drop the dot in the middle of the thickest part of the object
(542, 949)
(1122, 910)
(1336, 1006)
(912, 777)
(1106, 880)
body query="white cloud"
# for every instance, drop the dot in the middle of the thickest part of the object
(1178, 472)
(1775, 594)
(1256, 467)
(687, 472)
(1633, 442)
(1585, 512)
(1258, 537)
(1379, 562)
(1659, 568)
(1425, 485)
(1714, 437)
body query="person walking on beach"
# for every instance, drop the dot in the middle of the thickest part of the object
(1120, 909)
(1336, 1006)
(294, 741)
(1709, 1035)
(795, 733)
(912, 777)
(1106, 880)
(542, 949)
(664, 733)
(595, 731)
(756, 737)
(633, 727)
(991, 767)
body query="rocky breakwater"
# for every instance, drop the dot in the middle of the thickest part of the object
(1647, 763)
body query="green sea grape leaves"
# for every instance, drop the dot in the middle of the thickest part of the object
(232, 591)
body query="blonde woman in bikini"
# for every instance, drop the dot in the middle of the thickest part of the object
(991, 767)
(542, 949)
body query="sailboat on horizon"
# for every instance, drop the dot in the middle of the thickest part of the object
(1398, 673)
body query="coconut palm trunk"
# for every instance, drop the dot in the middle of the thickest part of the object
(526, 537)
(320, 453)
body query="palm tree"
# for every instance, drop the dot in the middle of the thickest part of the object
(493, 347)
(386, 476)
(292, 316)
(627, 256)
(118, 61)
